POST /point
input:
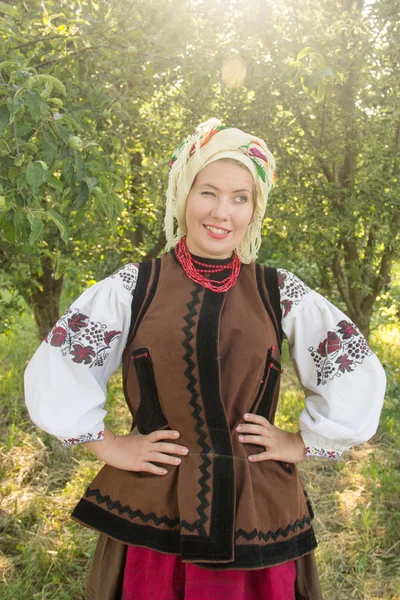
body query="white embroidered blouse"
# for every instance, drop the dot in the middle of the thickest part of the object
(344, 382)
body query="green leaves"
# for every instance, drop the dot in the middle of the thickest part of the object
(34, 176)
(59, 221)
(49, 82)
(37, 230)
(4, 118)
(50, 146)
(34, 104)
(8, 10)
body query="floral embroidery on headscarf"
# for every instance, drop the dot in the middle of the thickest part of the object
(205, 137)
(256, 156)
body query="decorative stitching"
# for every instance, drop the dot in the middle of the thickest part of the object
(116, 504)
(129, 275)
(85, 437)
(87, 341)
(340, 352)
(322, 453)
(250, 535)
(191, 387)
(292, 289)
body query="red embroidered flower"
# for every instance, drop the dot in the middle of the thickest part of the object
(281, 280)
(344, 363)
(77, 322)
(256, 152)
(82, 354)
(110, 335)
(59, 336)
(347, 329)
(330, 345)
(287, 305)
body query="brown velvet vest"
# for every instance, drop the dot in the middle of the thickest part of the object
(196, 361)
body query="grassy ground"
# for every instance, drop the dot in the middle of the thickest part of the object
(44, 555)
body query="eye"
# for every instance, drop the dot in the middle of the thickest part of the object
(241, 199)
(207, 193)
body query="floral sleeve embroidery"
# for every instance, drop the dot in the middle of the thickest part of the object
(320, 452)
(128, 274)
(340, 352)
(292, 290)
(85, 437)
(86, 341)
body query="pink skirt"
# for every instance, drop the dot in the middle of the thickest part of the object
(152, 575)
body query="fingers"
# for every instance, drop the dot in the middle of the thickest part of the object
(258, 419)
(260, 456)
(258, 440)
(163, 434)
(150, 468)
(165, 458)
(169, 448)
(256, 429)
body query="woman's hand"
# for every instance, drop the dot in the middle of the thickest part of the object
(136, 452)
(279, 445)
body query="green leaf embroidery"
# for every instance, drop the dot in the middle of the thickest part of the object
(260, 169)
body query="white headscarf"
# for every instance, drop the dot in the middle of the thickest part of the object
(212, 141)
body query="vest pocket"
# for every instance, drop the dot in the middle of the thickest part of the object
(272, 370)
(285, 466)
(149, 415)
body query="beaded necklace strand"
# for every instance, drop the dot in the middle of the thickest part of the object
(194, 269)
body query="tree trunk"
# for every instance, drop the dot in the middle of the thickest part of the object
(45, 301)
(363, 322)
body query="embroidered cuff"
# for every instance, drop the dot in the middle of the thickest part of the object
(85, 437)
(321, 453)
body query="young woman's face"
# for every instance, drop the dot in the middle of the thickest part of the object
(219, 208)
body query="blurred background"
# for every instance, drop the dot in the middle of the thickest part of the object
(94, 97)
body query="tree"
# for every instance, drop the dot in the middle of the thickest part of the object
(70, 92)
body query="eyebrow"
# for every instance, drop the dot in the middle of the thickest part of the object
(234, 191)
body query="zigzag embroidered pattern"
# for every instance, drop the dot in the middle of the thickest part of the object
(191, 387)
(112, 505)
(250, 535)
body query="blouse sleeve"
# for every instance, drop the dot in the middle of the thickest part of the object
(343, 379)
(66, 380)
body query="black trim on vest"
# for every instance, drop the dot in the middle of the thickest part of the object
(192, 387)
(264, 407)
(139, 307)
(127, 510)
(272, 285)
(163, 540)
(149, 416)
(256, 556)
(274, 318)
(260, 535)
(220, 542)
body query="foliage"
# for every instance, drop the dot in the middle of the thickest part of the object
(318, 83)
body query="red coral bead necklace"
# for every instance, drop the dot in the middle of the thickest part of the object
(196, 269)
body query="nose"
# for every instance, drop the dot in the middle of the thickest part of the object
(220, 210)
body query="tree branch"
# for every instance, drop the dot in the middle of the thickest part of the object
(388, 255)
(342, 284)
(158, 246)
(323, 164)
(46, 63)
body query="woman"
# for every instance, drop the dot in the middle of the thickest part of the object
(203, 498)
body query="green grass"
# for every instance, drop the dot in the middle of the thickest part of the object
(44, 554)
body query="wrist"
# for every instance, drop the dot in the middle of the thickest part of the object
(103, 447)
(302, 444)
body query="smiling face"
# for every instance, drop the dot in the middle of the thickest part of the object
(219, 208)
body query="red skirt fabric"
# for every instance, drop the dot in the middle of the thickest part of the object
(152, 575)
